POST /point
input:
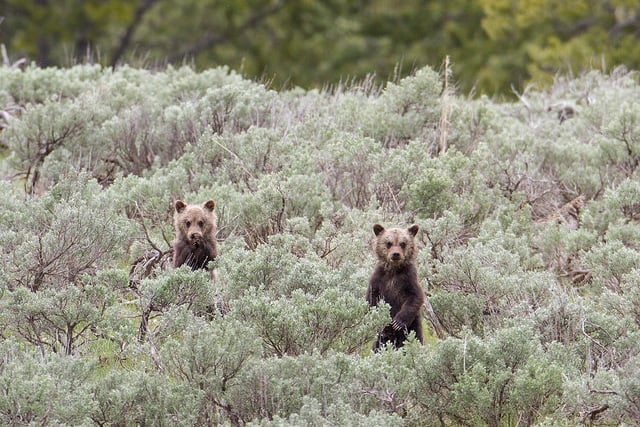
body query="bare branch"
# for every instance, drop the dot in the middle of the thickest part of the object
(216, 39)
(125, 40)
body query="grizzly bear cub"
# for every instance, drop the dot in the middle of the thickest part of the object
(395, 281)
(195, 244)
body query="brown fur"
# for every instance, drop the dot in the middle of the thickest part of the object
(395, 281)
(195, 244)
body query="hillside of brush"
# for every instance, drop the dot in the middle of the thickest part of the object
(529, 250)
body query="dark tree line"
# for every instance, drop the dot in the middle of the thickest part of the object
(492, 47)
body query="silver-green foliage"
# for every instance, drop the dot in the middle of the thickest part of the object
(529, 219)
(44, 388)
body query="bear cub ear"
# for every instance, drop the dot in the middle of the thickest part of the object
(413, 230)
(378, 229)
(180, 205)
(209, 205)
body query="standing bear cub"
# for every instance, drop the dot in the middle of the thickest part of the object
(395, 281)
(195, 244)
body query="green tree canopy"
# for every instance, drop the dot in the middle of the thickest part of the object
(493, 44)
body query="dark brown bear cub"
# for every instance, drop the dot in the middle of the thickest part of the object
(395, 281)
(195, 244)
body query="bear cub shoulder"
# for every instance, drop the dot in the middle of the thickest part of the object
(395, 281)
(195, 243)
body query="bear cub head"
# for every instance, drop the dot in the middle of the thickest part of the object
(194, 223)
(395, 247)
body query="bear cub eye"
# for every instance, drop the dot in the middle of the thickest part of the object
(200, 223)
(403, 245)
(388, 245)
(187, 223)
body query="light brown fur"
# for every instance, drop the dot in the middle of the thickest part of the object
(195, 243)
(395, 246)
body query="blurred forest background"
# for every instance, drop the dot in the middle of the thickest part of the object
(493, 44)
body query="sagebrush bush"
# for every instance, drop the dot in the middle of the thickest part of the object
(44, 388)
(51, 241)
